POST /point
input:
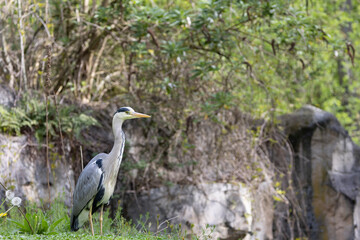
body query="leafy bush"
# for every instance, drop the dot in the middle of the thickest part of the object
(270, 56)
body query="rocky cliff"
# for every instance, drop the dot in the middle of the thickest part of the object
(238, 179)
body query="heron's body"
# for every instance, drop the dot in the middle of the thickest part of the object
(97, 181)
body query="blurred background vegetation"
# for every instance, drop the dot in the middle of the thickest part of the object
(180, 59)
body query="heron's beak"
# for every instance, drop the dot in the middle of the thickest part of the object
(139, 115)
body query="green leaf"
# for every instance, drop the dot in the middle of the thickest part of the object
(21, 227)
(54, 224)
(43, 226)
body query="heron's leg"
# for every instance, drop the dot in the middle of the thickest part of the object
(90, 219)
(101, 218)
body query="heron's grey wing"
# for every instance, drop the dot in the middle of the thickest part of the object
(88, 184)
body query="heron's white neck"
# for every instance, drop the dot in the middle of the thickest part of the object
(116, 152)
(117, 129)
(111, 164)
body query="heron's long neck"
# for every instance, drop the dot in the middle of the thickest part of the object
(116, 153)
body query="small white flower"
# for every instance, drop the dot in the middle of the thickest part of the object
(9, 195)
(16, 201)
(188, 20)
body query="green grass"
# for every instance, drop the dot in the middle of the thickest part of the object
(72, 235)
(117, 228)
(79, 235)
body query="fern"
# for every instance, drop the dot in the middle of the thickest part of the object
(30, 115)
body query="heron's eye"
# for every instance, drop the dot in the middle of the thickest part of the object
(127, 112)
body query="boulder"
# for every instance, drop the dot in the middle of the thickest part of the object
(214, 210)
(326, 172)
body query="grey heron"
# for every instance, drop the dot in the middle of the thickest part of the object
(97, 181)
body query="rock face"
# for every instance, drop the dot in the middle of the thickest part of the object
(218, 210)
(24, 167)
(213, 156)
(326, 172)
(7, 96)
(326, 179)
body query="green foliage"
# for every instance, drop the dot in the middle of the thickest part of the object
(271, 56)
(217, 101)
(30, 115)
(13, 121)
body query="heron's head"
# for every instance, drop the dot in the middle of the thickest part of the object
(125, 113)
